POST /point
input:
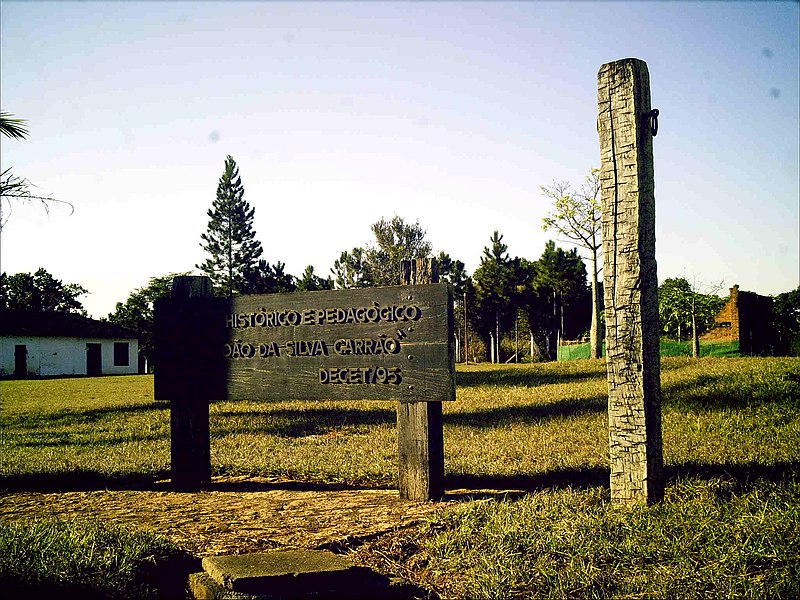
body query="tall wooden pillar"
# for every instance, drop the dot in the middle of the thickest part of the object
(626, 127)
(420, 436)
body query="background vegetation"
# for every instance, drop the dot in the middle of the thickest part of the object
(668, 348)
(545, 301)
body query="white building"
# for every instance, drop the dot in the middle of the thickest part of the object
(50, 344)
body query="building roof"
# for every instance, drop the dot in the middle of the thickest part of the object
(53, 324)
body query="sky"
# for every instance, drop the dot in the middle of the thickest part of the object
(452, 114)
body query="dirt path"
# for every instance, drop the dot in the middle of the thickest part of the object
(240, 514)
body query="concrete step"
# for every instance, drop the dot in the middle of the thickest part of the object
(293, 575)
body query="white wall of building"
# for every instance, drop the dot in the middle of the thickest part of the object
(51, 356)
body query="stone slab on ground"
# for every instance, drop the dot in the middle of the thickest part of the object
(268, 571)
(295, 574)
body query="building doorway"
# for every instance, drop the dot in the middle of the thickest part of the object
(20, 360)
(94, 360)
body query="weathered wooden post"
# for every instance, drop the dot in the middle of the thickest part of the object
(420, 435)
(626, 126)
(183, 357)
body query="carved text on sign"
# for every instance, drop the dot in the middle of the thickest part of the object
(342, 347)
(372, 344)
(324, 316)
(358, 375)
(362, 375)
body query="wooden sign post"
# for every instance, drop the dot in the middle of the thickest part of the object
(390, 343)
(190, 446)
(626, 126)
(420, 433)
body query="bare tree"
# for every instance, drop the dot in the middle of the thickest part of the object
(576, 216)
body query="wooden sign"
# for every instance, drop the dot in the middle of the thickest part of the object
(391, 343)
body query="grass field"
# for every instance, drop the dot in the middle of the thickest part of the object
(729, 525)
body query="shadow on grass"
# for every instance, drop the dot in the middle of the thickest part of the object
(516, 486)
(167, 576)
(91, 481)
(465, 486)
(516, 377)
(84, 481)
(298, 423)
(719, 392)
(506, 415)
(68, 418)
(745, 476)
(64, 440)
(320, 421)
(289, 486)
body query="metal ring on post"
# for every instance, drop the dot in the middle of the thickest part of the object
(652, 118)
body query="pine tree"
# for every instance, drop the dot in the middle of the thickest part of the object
(310, 282)
(230, 238)
(351, 270)
(495, 280)
(561, 276)
(265, 278)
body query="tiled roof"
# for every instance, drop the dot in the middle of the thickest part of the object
(52, 324)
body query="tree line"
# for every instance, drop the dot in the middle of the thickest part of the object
(543, 297)
(511, 308)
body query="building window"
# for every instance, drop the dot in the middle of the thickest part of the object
(122, 357)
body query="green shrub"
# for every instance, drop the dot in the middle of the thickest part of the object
(78, 559)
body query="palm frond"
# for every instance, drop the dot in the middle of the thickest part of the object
(12, 127)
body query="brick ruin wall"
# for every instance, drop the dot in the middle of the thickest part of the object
(726, 323)
(746, 318)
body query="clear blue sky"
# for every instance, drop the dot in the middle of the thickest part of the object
(339, 114)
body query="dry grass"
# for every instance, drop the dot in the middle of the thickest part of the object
(728, 527)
